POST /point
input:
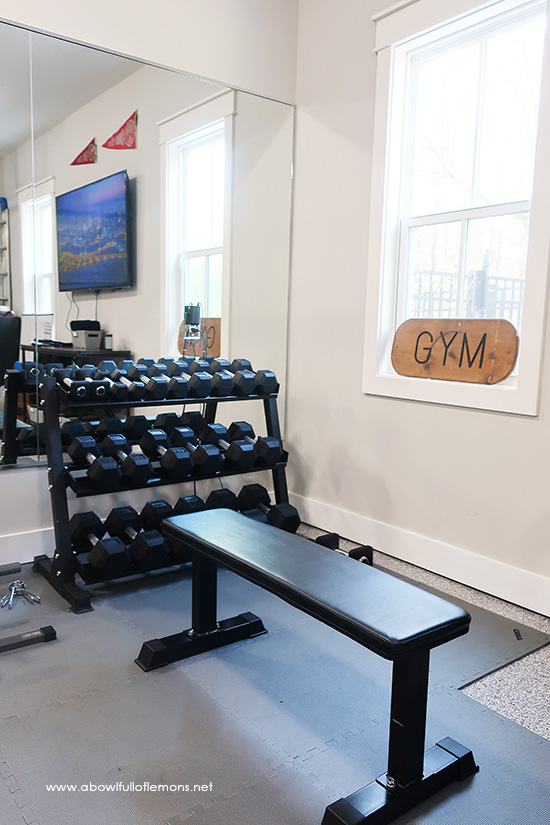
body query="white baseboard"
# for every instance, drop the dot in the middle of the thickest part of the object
(23, 547)
(521, 587)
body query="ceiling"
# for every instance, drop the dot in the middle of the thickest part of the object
(66, 76)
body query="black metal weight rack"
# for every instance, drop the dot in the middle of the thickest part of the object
(61, 569)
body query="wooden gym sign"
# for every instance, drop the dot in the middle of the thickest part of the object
(456, 349)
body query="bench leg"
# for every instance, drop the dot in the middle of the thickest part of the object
(206, 633)
(409, 698)
(413, 774)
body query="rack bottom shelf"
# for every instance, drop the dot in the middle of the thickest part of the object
(78, 598)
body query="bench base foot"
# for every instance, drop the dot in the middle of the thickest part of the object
(377, 804)
(159, 652)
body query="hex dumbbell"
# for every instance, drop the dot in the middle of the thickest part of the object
(77, 390)
(207, 458)
(268, 449)
(244, 382)
(222, 498)
(148, 548)
(103, 471)
(99, 388)
(108, 556)
(136, 467)
(175, 462)
(254, 497)
(239, 454)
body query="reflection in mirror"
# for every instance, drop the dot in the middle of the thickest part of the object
(15, 171)
(208, 174)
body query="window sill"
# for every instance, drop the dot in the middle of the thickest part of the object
(505, 397)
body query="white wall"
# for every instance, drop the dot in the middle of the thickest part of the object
(459, 491)
(156, 94)
(247, 44)
(455, 490)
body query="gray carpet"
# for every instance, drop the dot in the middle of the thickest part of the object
(281, 725)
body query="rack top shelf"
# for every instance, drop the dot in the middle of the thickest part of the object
(151, 402)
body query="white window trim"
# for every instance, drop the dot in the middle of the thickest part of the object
(520, 394)
(220, 106)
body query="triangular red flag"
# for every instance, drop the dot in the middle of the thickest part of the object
(125, 137)
(88, 155)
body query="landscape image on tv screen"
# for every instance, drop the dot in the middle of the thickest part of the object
(92, 235)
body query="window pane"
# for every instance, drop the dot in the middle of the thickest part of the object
(195, 281)
(432, 281)
(214, 286)
(204, 192)
(43, 236)
(496, 254)
(444, 132)
(510, 113)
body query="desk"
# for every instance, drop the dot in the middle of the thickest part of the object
(72, 355)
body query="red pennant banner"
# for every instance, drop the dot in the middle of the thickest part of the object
(88, 155)
(125, 137)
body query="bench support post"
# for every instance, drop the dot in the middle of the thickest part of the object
(413, 774)
(206, 632)
(204, 595)
(409, 701)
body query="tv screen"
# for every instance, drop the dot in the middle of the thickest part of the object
(92, 235)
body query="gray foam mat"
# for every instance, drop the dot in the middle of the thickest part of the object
(281, 725)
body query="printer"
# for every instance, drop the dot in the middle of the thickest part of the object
(87, 334)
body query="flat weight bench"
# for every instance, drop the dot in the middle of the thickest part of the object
(395, 619)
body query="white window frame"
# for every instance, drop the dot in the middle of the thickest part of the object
(519, 394)
(33, 282)
(220, 107)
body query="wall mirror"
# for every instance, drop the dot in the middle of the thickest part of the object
(188, 246)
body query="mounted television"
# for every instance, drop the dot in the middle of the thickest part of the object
(93, 222)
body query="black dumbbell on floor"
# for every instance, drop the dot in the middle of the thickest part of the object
(148, 548)
(254, 497)
(238, 454)
(268, 449)
(364, 553)
(108, 556)
(175, 462)
(135, 466)
(103, 472)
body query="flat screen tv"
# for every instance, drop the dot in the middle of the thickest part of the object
(93, 250)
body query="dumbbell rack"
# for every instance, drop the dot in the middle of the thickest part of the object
(61, 569)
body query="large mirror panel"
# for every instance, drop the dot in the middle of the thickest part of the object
(15, 172)
(185, 246)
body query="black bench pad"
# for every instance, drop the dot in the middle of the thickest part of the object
(383, 613)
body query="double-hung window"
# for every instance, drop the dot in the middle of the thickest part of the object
(197, 149)
(452, 232)
(201, 166)
(36, 208)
